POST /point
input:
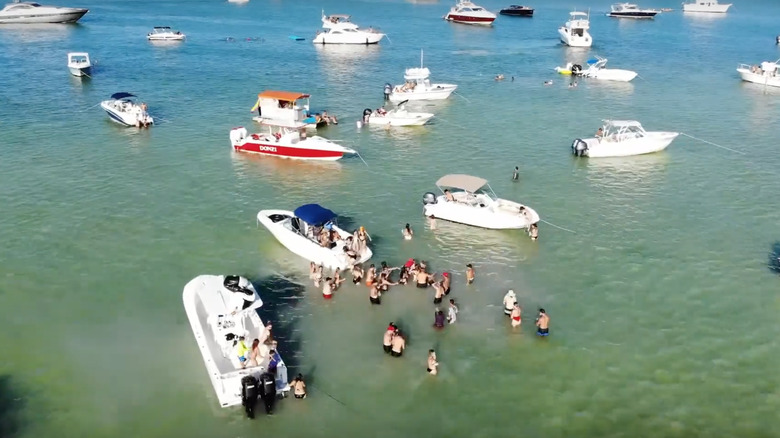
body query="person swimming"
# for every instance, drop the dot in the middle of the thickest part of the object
(407, 232)
(470, 274)
(516, 174)
(298, 386)
(433, 365)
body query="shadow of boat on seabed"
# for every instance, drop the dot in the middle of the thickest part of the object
(11, 406)
(774, 258)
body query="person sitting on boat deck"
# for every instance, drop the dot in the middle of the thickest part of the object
(265, 336)
(241, 351)
(448, 195)
(363, 238)
(298, 386)
(399, 344)
(254, 353)
(357, 273)
(325, 238)
(381, 111)
(351, 255)
(600, 133)
(438, 319)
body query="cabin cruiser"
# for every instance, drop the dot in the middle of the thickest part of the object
(574, 33)
(287, 140)
(123, 109)
(290, 107)
(467, 12)
(165, 33)
(337, 29)
(311, 232)
(418, 86)
(597, 70)
(473, 202)
(706, 6)
(622, 138)
(30, 12)
(79, 64)
(397, 116)
(630, 10)
(517, 11)
(222, 310)
(768, 73)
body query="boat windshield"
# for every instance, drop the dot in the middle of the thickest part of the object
(622, 129)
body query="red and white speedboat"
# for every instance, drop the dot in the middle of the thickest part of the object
(467, 12)
(287, 140)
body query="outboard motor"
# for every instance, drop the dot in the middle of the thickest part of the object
(250, 390)
(429, 198)
(367, 114)
(268, 391)
(389, 89)
(579, 147)
(233, 284)
(774, 258)
(576, 69)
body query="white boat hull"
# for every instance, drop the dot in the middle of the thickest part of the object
(399, 119)
(611, 74)
(165, 37)
(435, 92)
(80, 71)
(758, 78)
(653, 141)
(34, 17)
(708, 7)
(575, 40)
(481, 211)
(302, 246)
(128, 117)
(360, 37)
(204, 300)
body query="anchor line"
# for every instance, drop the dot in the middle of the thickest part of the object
(713, 144)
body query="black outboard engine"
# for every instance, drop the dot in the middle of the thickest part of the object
(233, 284)
(576, 69)
(389, 89)
(429, 198)
(579, 147)
(367, 114)
(774, 258)
(250, 390)
(268, 391)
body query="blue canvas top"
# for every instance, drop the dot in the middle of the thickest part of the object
(314, 214)
(121, 95)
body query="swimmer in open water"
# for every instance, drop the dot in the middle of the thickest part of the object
(298, 386)
(542, 323)
(433, 366)
(516, 174)
(515, 315)
(398, 344)
(469, 273)
(407, 232)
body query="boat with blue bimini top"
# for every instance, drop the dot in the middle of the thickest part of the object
(222, 310)
(123, 109)
(311, 232)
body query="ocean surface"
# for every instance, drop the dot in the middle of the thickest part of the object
(664, 316)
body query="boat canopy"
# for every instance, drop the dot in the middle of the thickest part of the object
(286, 96)
(416, 73)
(122, 95)
(465, 182)
(578, 14)
(622, 123)
(314, 214)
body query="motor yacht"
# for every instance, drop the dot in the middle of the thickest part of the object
(706, 6)
(287, 140)
(289, 107)
(517, 11)
(302, 230)
(123, 109)
(79, 64)
(597, 70)
(470, 200)
(165, 33)
(467, 12)
(222, 311)
(30, 12)
(622, 138)
(418, 86)
(397, 116)
(574, 33)
(338, 29)
(630, 10)
(767, 74)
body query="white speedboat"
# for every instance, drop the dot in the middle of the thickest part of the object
(300, 231)
(29, 12)
(768, 73)
(630, 10)
(222, 309)
(467, 12)
(79, 64)
(622, 138)
(123, 109)
(597, 70)
(397, 116)
(706, 6)
(165, 33)
(418, 86)
(337, 29)
(473, 202)
(574, 33)
(287, 140)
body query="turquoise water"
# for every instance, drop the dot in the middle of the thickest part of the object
(664, 316)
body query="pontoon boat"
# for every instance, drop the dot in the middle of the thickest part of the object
(337, 29)
(222, 310)
(574, 33)
(473, 202)
(467, 12)
(301, 230)
(30, 12)
(622, 138)
(123, 109)
(767, 74)
(79, 64)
